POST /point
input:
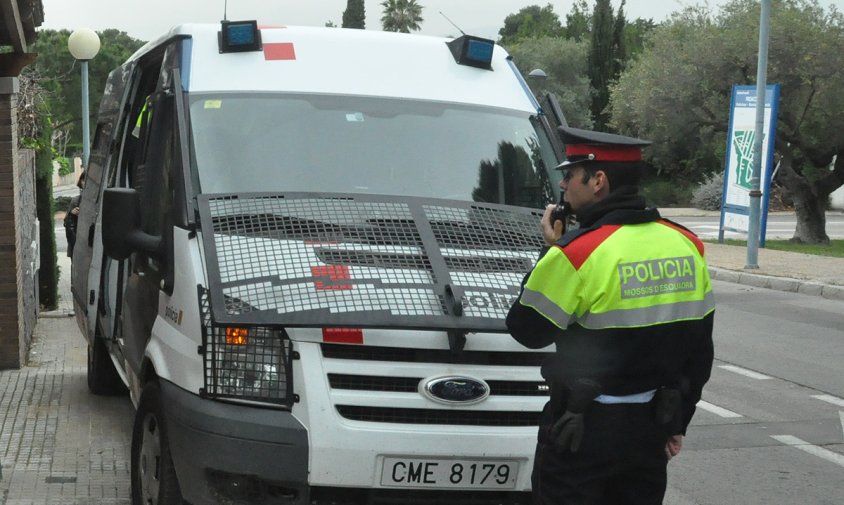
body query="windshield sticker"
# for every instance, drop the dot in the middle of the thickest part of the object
(656, 277)
(355, 117)
(213, 104)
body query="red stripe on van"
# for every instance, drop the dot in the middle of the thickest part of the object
(279, 51)
(342, 335)
(334, 273)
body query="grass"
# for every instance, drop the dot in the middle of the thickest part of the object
(834, 249)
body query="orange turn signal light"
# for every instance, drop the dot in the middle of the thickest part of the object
(236, 336)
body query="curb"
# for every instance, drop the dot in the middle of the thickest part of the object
(829, 291)
(56, 314)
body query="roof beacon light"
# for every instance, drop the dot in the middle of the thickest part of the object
(472, 51)
(239, 36)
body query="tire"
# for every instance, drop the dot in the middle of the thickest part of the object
(154, 480)
(102, 377)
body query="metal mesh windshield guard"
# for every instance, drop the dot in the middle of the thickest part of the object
(311, 259)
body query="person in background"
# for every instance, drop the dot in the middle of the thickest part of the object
(628, 302)
(71, 218)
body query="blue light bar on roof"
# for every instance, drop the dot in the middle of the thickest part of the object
(472, 51)
(239, 36)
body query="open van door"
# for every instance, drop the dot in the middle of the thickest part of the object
(88, 252)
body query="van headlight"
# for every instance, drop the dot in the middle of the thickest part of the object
(247, 364)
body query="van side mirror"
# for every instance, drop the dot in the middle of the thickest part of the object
(122, 233)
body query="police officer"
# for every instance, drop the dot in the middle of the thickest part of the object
(628, 302)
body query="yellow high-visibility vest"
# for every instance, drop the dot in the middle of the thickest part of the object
(622, 276)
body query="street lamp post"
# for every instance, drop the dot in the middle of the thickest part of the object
(84, 44)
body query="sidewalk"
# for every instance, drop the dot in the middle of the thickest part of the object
(784, 271)
(780, 270)
(60, 444)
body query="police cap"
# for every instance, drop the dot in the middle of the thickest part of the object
(584, 146)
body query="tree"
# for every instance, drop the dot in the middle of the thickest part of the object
(401, 16)
(578, 21)
(619, 45)
(601, 60)
(355, 15)
(530, 22)
(636, 35)
(62, 82)
(564, 62)
(678, 95)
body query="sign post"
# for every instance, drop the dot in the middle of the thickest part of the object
(738, 174)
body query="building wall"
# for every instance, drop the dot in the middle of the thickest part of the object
(18, 238)
(26, 240)
(11, 351)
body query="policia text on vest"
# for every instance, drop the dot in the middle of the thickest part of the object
(651, 277)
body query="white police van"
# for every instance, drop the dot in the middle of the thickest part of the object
(297, 249)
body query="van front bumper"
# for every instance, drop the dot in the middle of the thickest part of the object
(228, 453)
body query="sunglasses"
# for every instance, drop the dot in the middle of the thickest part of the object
(568, 174)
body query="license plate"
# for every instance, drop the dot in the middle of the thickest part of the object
(449, 473)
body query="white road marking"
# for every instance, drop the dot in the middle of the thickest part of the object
(841, 416)
(743, 371)
(830, 399)
(832, 457)
(718, 411)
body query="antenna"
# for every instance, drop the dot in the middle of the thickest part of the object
(452, 23)
(225, 9)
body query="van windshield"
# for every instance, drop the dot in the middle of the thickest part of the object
(316, 143)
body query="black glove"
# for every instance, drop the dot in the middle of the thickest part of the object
(567, 432)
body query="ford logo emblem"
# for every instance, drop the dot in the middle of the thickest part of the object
(454, 389)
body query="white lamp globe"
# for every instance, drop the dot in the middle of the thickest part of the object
(83, 44)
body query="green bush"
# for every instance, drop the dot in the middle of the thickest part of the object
(666, 192)
(48, 273)
(60, 203)
(709, 193)
(65, 167)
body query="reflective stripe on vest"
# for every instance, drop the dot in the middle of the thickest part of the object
(648, 316)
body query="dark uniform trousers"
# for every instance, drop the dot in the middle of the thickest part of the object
(621, 460)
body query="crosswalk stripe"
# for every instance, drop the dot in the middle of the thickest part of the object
(718, 411)
(814, 450)
(744, 371)
(830, 399)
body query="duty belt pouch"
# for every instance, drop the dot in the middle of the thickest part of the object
(558, 399)
(668, 407)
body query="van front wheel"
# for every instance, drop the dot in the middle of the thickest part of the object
(154, 479)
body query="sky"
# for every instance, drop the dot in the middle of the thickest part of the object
(147, 19)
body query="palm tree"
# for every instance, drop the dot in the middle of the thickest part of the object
(401, 15)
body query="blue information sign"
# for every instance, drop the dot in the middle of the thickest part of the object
(735, 202)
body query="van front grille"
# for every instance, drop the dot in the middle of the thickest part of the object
(411, 385)
(408, 355)
(436, 416)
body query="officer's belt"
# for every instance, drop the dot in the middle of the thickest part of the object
(559, 394)
(643, 397)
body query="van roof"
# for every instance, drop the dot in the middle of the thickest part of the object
(348, 62)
